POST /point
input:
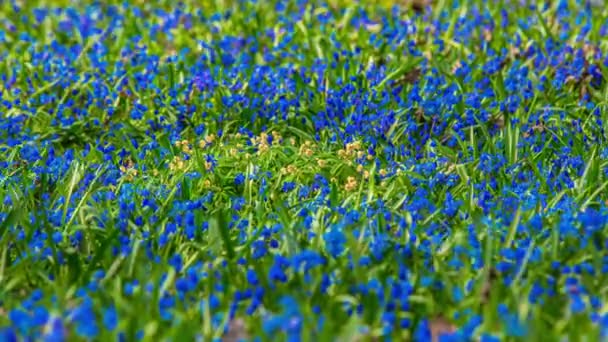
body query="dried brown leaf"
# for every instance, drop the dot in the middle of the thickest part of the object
(536, 128)
(486, 290)
(411, 76)
(498, 120)
(440, 326)
(570, 80)
(420, 115)
(419, 5)
(487, 35)
(236, 331)
(583, 90)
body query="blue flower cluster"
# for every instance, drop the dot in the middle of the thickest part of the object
(301, 170)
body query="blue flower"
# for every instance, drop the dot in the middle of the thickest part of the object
(276, 273)
(21, 320)
(252, 277)
(110, 318)
(8, 335)
(176, 262)
(577, 305)
(259, 249)
(288, 186)
(85, 320)
(334, 242)
(239, 179)
(489, 338)
(40, 316)
(422, 332)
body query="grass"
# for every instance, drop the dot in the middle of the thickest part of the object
(292, 170)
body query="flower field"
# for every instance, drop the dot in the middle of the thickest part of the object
(293, 170)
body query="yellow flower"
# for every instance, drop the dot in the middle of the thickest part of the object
(291, 169)
(133, 173)
(276, 138)
(263, 138)
(308, 152)
(176, 164)
(351, 183)
(129, 173)
(487, 35)
(353, 146)
(264, 147)
(456, 66)
(186, 147)
(210, 138)
(128, 170)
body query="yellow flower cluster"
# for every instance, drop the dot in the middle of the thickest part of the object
(262, 141)
(351, 183)
(363, 171)
(354, 150)
(209, 139)
(306, 149)
(129, 171)
(177, 164)
(289, 170)
(351, 150)
(184, 145)
(208, 165)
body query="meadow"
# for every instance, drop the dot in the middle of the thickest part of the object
(295, 170)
